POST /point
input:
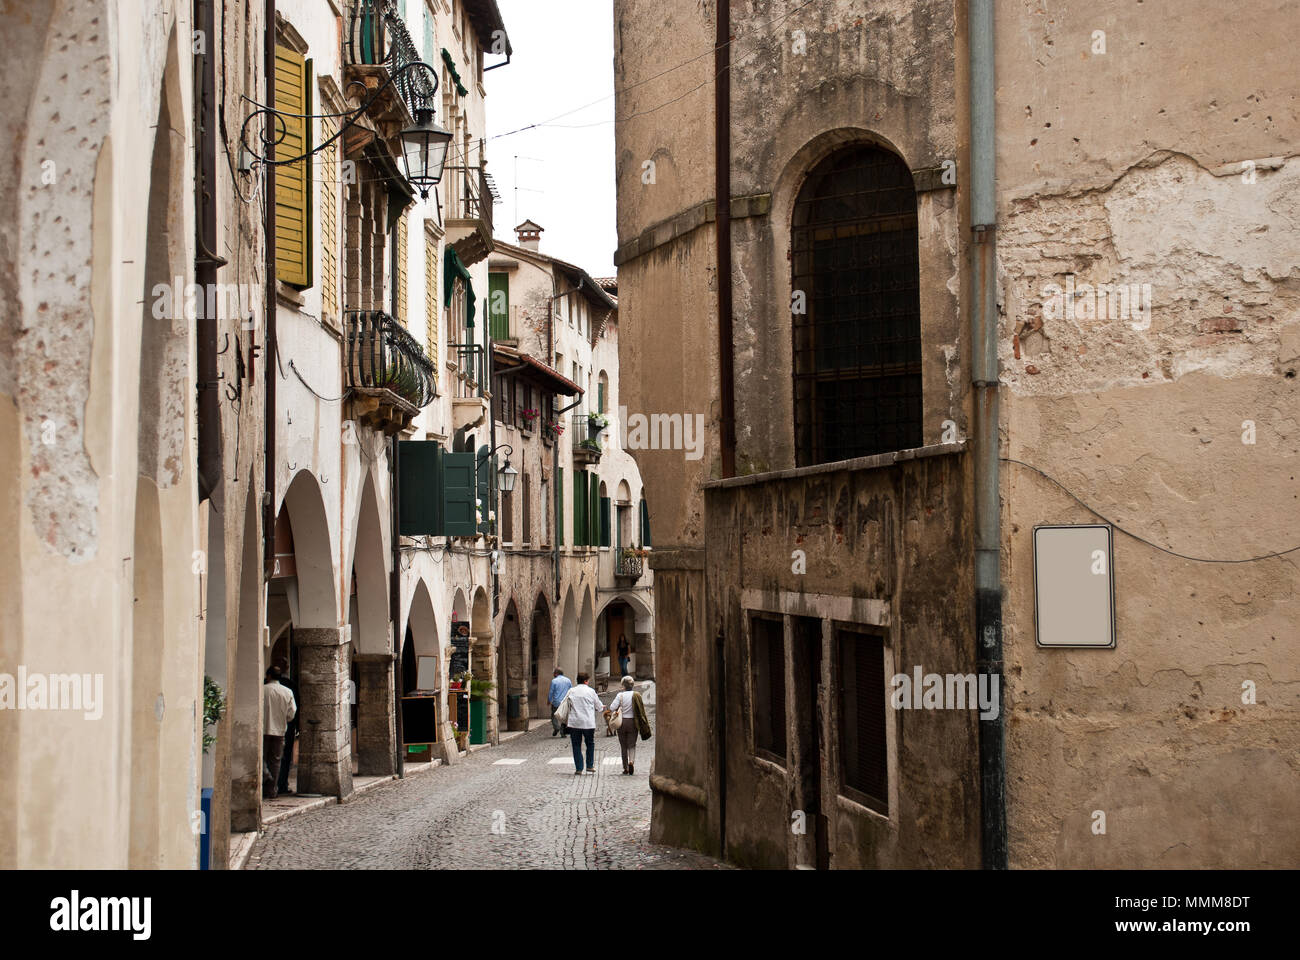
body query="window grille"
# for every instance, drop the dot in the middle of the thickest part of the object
(856, 309)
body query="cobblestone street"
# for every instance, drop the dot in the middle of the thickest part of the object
(514, 806)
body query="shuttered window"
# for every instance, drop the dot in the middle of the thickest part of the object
(331, 175)
(593, 513)
(527, 534)
(486, 471)
(579, 508)
(767, 671)
(431, 302)
(864, 752)
(559, 506)
(293, 181)
(507, 517)
(459, 491)
(403, 317)
(645, 524)
(499, 305)
(604, 521)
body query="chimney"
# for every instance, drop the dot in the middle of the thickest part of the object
(529, 235)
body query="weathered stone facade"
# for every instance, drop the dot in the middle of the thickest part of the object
(1114, 167)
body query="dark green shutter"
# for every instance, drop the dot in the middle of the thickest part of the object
(579, 508)
(604, 521)
(593, 514)
(559, 506)
(420, 488)
(601, 393)
(458, 492)
(645, 524)
(499, 305)
(486, 467)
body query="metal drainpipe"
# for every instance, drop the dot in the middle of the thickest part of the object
(268, 343)
(984, 380)
(722, 213)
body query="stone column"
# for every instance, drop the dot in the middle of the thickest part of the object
(325, 722)
(376, 725)
(645, 656)
(484, 667)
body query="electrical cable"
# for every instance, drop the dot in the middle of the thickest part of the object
(1141, 539)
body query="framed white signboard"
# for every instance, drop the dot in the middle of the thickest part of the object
(1074, 586)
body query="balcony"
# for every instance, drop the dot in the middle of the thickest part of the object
(469, 404)
(470, 197)
(378, 45)
(585, 427)
(630, 565)
(386, 371)
(587, 452)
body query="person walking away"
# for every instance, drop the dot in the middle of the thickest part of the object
(624, 653)
(584, 704)
(290, 729)
(278, 708)
(559, 688)
(624, 707)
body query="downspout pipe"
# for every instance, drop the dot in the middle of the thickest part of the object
(268, 342)
(722, 214)
(984, 382)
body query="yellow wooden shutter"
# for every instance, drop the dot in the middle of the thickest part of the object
(331, 174)
(293, 181)
(431, 300)
(402, 316)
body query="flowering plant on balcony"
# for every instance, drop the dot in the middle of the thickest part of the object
(591, 443)
(554, 428)
(629, 552)
(529, 417)
(598, 420)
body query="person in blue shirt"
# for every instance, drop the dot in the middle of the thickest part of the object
(559, 687)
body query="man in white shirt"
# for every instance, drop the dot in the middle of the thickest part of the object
(584, 705)
(278, 708)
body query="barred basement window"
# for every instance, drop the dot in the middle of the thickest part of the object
(864, 751)
(856, 308)
(767, 668)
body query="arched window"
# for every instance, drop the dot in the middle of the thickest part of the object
(856, 309)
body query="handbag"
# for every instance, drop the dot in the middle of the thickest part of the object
(562, 711)
(642, 719)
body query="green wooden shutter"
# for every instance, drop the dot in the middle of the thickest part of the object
(458, 492)
(593, 513)
(486, 468)
(604, 521)
(580, 508)
(645, 524)
(293, 181)
(559, 506)
(420, 488)
(499, 305)
(601, 393)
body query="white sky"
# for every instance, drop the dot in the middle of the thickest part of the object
(563, 59)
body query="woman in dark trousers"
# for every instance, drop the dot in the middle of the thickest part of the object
(624, 706)
(624, 653)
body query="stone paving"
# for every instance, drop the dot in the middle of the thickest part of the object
(485, 814)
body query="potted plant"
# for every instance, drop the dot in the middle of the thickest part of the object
(551, 430)
(214, 707)
(529, 418)
(596, 422)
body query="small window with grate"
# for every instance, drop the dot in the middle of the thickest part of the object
(864, 751)
(856, 308)
(767, 667)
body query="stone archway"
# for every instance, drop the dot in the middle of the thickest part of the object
(568, 646)
(318, 657)
(245, 699)
(372, 645)
(638, 624)
(587, 637)
(542, 655)
(512, 672)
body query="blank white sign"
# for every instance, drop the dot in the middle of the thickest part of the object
(1074, 591)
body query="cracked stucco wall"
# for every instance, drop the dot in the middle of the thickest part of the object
(1130, 167)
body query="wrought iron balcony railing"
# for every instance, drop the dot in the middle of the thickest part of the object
(380, 354)
(473, 364)
(377, 36)
(629, 565)
(469, 195)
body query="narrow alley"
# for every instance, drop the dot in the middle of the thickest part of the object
(516, 806)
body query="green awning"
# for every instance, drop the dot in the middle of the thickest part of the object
(452, 269)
